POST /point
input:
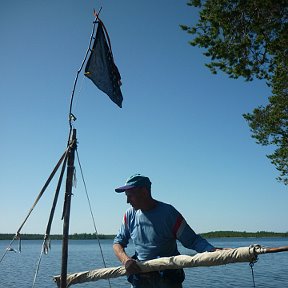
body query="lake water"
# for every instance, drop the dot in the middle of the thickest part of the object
(18, 269)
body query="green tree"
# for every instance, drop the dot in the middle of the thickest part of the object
(249, 38)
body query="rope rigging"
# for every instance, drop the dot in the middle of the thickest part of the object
(71, 115)
(17, 235)
(64, 160)
(91, 213)
(251, 264)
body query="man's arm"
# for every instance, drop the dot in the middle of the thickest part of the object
(120, 253)
(129, 263)
(189, 239)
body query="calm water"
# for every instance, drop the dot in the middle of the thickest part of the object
(17, 270)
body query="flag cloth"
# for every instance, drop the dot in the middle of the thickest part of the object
(101, 69)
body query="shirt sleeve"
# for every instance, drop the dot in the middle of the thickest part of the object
(123, 234)
(189, 239)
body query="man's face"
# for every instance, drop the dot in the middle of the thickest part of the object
(136, 197)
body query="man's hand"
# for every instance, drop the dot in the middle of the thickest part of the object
(131, 266)
(129, 263)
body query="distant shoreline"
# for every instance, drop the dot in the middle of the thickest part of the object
(90, 236)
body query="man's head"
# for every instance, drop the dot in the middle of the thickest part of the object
(138, 192)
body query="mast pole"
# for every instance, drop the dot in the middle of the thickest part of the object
(67, 205)
(70, 171)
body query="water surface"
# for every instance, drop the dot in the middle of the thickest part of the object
(18, 269)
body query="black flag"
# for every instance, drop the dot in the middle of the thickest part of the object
(101, 69)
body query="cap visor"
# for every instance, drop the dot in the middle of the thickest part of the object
(124, 188)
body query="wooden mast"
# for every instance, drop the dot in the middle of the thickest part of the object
(67, 205)
(70, 171)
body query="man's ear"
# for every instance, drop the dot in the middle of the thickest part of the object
(145, 191)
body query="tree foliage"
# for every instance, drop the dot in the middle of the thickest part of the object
(85, 236)
(250, 39)
(75, 236)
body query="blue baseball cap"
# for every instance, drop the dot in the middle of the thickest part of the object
(136, 180)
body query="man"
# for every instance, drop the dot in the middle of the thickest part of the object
(154, 227)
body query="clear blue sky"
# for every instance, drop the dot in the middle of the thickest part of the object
(180, 125)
